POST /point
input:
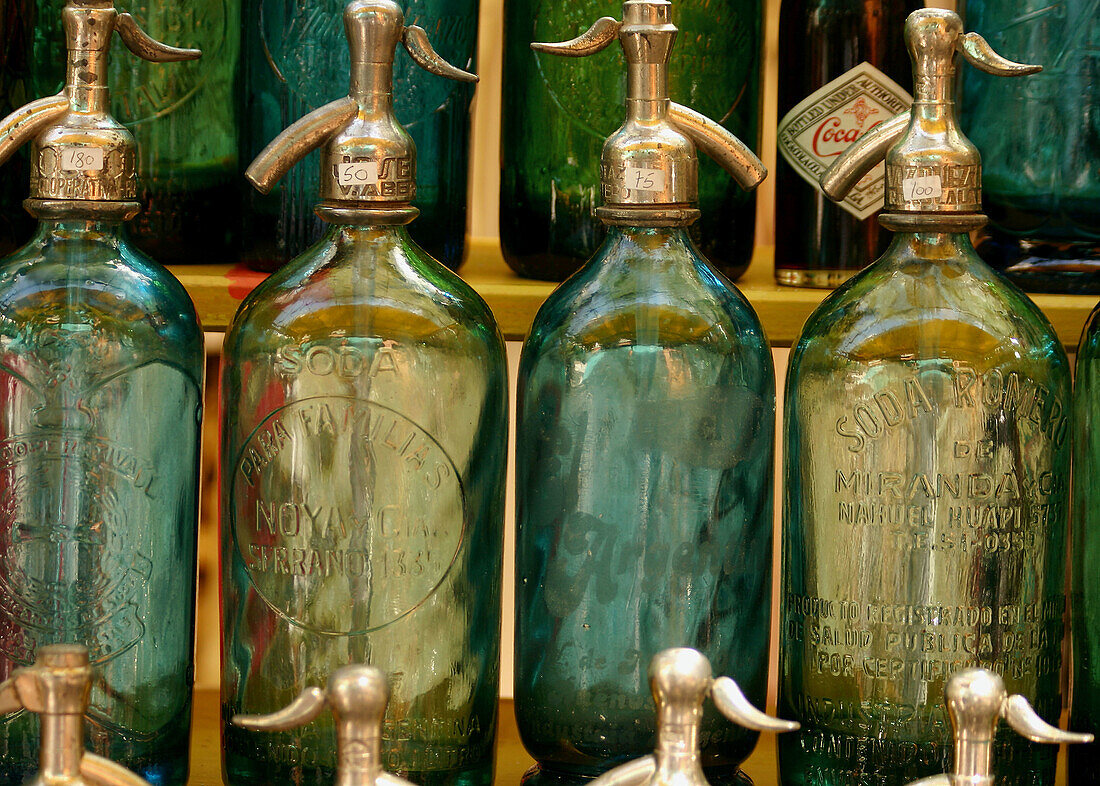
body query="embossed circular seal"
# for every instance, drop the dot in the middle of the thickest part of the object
(79, 576)
(346, 515)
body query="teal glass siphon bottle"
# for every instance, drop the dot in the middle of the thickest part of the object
(1042, 175)
(364, 428)
(1085, 594)
(556, 116)
(294, 61)
(101, 371)
(183, 118)
(644, 451)
(926, 469)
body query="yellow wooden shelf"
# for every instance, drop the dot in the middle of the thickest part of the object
(219, 289)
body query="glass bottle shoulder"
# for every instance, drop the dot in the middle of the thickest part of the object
(70, 282)
(929, 299)
(363, 283)
(646, 289)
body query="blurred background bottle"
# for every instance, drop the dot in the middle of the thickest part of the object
(1041, 170)
(557, 114)
(16, 225)
(843, 71)
(295, 60)
(1084, 765)
(183, 118)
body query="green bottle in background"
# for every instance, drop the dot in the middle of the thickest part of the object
(1085, 594)
(556, 115)
(184, 121)
(294, 61)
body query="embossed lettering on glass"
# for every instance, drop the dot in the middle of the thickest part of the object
(926, 464)
(362, 463)
(101, 365)
(644, 448)
(557, 114)
(294, 61)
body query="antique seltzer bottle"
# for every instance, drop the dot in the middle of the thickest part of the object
(294, 61)
(56, 689)
(927, 463)
(644, 449)
(556, 116)
(362, 464)
(101, 365)
(184, 120)
(976, 701)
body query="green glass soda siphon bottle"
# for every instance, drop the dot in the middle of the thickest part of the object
(294, 61)
(184, 120)
(1084, 763)
(644, 449)
(101, 366)
(556, 116)
(927, 460)
(362, 464)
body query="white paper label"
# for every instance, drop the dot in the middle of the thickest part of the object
(639, 179)
(361, 173)
(915, 189)
(823, 125)
(82, 159)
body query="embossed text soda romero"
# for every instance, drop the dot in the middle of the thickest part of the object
(926, 464)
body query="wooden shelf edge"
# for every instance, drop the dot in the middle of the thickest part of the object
(219, 289)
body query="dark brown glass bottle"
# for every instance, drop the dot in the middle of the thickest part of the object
(844, 53)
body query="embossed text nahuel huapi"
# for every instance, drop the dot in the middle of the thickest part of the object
(927, 456)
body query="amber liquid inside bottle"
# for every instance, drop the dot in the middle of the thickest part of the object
(817, 242)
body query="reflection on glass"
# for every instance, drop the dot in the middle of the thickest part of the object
(644, 502)
(927, 462)
(101, 363)
(362, 466)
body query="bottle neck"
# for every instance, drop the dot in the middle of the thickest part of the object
(932, 246)
(372, 87)
(86, 81)
(647, 91)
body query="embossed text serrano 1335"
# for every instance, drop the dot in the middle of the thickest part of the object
(927, 462)
(362, 462)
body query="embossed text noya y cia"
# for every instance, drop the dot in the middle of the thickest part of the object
(364, 422)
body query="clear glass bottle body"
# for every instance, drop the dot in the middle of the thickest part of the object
(295, 60)
(1041, 177)
(1084, 765)
(644, 502)
(558, 112)
(927, 461)
(817, 242)
(183, 118)
(362, 466)
(101, 367)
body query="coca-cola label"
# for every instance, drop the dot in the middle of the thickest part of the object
(824, 124)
